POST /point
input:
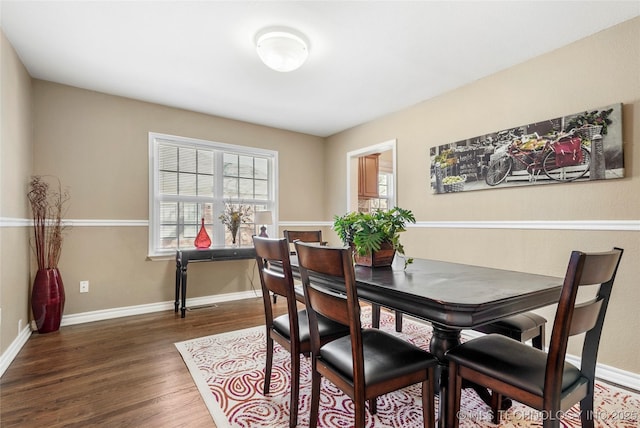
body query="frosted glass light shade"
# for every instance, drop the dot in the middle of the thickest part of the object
(282, 50)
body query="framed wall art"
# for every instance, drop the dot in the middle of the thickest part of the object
(573, 148)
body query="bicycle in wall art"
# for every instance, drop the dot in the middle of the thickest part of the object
(577, 147)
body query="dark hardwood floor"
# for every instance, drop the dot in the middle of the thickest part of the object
(124, 372)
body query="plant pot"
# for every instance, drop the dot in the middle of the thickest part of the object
(47, 300)
(382, 257)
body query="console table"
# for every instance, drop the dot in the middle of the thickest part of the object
(219, 254)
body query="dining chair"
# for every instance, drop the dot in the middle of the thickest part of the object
(375, 317)
(316, 236)
(304, 236)
(538, 379)
(291, 330)
(368, 362)
(521, 327)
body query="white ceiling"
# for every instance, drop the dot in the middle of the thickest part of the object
(367, 59)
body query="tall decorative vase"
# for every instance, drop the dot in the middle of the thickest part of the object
(235, 227)
(202, 240)
(47, 299)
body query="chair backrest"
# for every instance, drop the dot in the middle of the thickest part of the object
(584, 269)
(303, 235)
(277, 282)
(315, 262)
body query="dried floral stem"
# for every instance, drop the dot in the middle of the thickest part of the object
(48, 208)
(234, 215)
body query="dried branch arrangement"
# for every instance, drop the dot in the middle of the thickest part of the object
(234, 215)
(48, 207)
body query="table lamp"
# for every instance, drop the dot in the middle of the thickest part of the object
(263, 218)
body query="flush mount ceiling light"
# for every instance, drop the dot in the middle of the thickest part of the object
(282, 49)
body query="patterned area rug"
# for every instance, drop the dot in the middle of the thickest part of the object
(228, 370)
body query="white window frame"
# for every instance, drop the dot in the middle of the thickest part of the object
(218, 201)
(390, 189)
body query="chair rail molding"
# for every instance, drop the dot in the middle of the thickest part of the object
(619, 225)
(26, 222)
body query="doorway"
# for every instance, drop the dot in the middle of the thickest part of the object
(387, 151)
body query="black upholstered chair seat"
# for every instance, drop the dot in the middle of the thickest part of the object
(522, 325)
(385, 356)
(326, 326)
(512, 362)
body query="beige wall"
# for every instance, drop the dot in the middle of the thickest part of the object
(16, 162)
(98, 145)
(598, 71)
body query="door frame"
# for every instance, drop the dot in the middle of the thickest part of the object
(352, 157)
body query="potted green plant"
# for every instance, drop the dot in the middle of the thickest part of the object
(375, 236)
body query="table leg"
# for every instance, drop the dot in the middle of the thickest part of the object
(443, 339)
(375, 315)
(183, 286)
(178, 276)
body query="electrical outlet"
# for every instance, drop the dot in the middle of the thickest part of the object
(84, 286)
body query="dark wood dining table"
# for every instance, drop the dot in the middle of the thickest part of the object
(452, 297)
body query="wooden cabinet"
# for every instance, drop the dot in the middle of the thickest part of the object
(368, 176)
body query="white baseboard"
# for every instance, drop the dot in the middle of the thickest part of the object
(605, 373)
(126, 311)
(612, 375)
(9, 355)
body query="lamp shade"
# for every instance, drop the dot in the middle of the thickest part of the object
(282, 49)
(263, 217)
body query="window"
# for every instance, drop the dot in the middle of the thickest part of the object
(194, 179)
(385, 193)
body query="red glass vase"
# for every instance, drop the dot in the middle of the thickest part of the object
(47, 300)
(202, 240)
